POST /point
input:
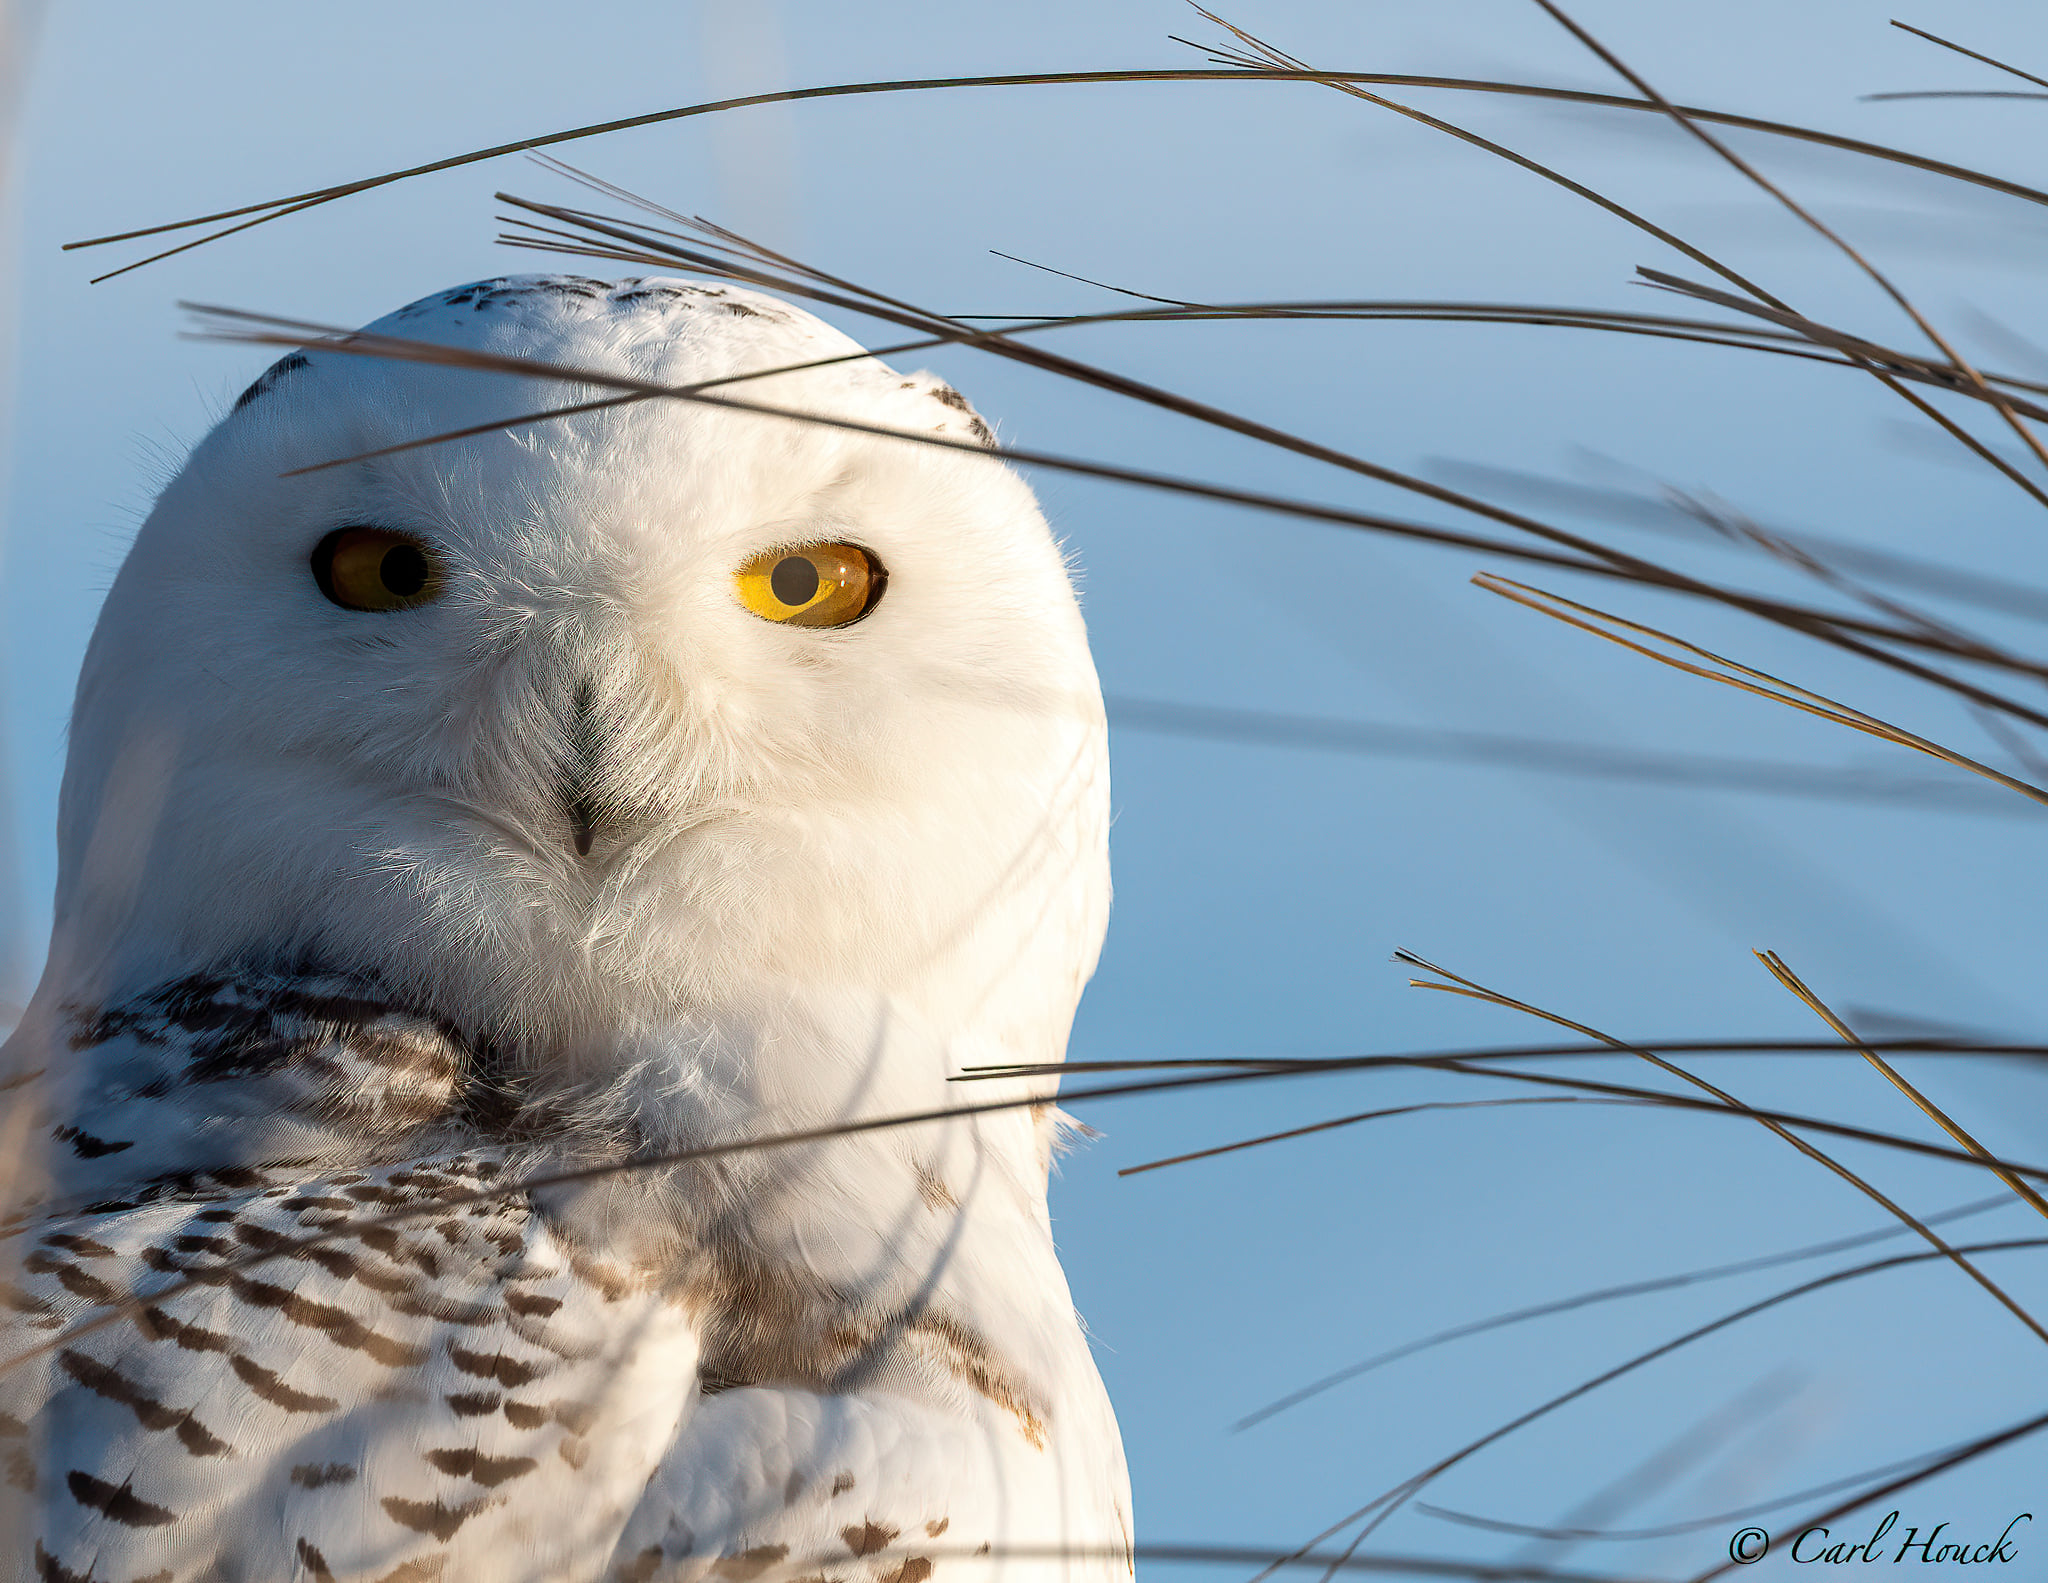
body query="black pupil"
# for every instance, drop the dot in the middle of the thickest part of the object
(403, 571)
(794, 580)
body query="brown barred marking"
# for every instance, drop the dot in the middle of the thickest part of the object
(448, 1311)
(338, 1262)
(976, 1362)
(868, 1537)
(509, 1372)
(273, 1390)
(748, 1564)
(842, 1484)
(314, 1562)
(317, 1475)
(156, 1325)
(108, 1382)
(468, 1463)
(84, 1247)
(531, 1305)
(71, 1277)
(337, 1324)
(915, 1569)
(377, 1193)
(117, 1502)
(165, 1262)
(436, 1517)
(474, 1404)
(937, 1526)
(573, 1451)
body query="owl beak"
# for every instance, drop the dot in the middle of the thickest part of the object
(579, 771)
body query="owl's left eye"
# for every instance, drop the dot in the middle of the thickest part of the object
(376, 569)
(811, 585)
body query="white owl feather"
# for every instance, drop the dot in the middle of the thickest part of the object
(566, 851)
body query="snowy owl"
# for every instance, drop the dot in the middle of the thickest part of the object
(603, 787)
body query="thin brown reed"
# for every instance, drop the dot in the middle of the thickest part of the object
(1941, 1118)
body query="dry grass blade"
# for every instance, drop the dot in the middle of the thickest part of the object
(1600, 1295)
(1746, 678)
(1887, 366)
(278, 208)
(1738, 526)
(1385, 1565)
(1988, 60)
(1954, 93)
(1258, 1070)
(1466, 987)
(1671, 511)
(1516, 1052)
(1736, 1110)
(1264, 55)
(1364, 1116)
(1792, 981)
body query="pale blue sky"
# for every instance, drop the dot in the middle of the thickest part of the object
(1261, 890)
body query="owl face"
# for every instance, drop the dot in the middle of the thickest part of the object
(618, 714)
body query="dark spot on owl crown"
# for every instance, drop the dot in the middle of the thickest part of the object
(270, 378)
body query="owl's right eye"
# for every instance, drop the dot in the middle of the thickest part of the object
(376, 569)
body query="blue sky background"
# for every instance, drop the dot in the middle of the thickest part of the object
(1261, 889)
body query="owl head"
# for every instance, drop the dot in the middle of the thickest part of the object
(571, 731)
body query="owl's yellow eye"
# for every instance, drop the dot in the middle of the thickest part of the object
(811, 585)
(376, 569)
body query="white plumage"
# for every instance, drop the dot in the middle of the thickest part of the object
(559, 850)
